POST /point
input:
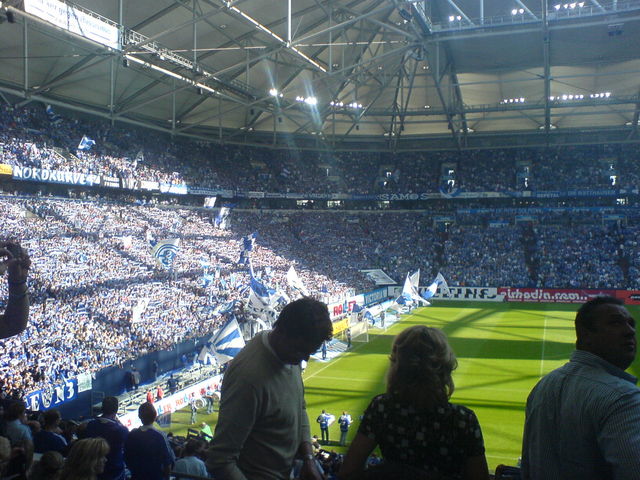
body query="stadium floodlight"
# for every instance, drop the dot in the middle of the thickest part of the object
(557, 7)
(451, 18)
(581, 4)
(273, 92)
(311, 101)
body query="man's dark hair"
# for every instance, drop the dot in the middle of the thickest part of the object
(147, 413)
(585, 318)
(306, 318)
(51, 417)
(109, 406)
(192, 447)
(15, 409)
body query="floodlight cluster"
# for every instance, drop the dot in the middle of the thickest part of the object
(568, 6)
(275, 93)
(312, 101)
(338, 104)
(453, 18)
(517, 11)
(513, 100)
(572, 96)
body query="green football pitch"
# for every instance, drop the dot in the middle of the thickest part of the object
(502, 349)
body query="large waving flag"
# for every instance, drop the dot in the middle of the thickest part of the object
(221, 218)
(86, 143)
(293, 280)
(165, 251)
(227, 342)
(410, 294)
(247, 247)
(439, 281)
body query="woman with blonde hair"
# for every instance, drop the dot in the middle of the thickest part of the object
(420, 433)
(86, 459)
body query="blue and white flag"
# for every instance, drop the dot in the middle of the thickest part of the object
(228, 342)
(410, 294)
(247, 247)
(207, 279)
(53, 116)
(165, 251)
(86, 143)
(259, 295)
(221, 218)
(431, 290)
(293, 280)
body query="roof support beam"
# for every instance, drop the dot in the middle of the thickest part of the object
(454, 123)
(547, 66)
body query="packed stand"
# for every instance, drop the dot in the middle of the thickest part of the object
(34, 137)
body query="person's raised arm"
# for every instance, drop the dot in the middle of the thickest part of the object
(17, 263)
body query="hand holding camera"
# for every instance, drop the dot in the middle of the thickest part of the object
(15, 260)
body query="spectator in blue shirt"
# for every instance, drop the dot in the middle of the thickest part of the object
(146, 451)
(108, 426)
(50, 437)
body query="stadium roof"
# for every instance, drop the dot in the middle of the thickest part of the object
(349, 74)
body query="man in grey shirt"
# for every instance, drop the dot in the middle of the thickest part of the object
(263, 420)
(583, 419)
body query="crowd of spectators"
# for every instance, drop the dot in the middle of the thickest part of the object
(37, 445)
(92, 267)
(30, 136)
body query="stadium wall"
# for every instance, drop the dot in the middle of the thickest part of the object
(534, 295)
(111, 380)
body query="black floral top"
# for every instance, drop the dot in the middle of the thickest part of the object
(436, 441)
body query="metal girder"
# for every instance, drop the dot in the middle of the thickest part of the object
(406, 102)
(343, 25)
(366, 109)
(326, 112)
(155, 98)
(243, 65)
(382, 86)
(460, 11)
(526, 9)
(546, 55)
(455, 125)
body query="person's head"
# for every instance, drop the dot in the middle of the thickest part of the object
(49, 466)
(109, 406)
(51, 418)
(421, 365)
(301, 328)
(605, 328)
(86, 459)
(147, 413)
(16, 410)
(193, 447)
